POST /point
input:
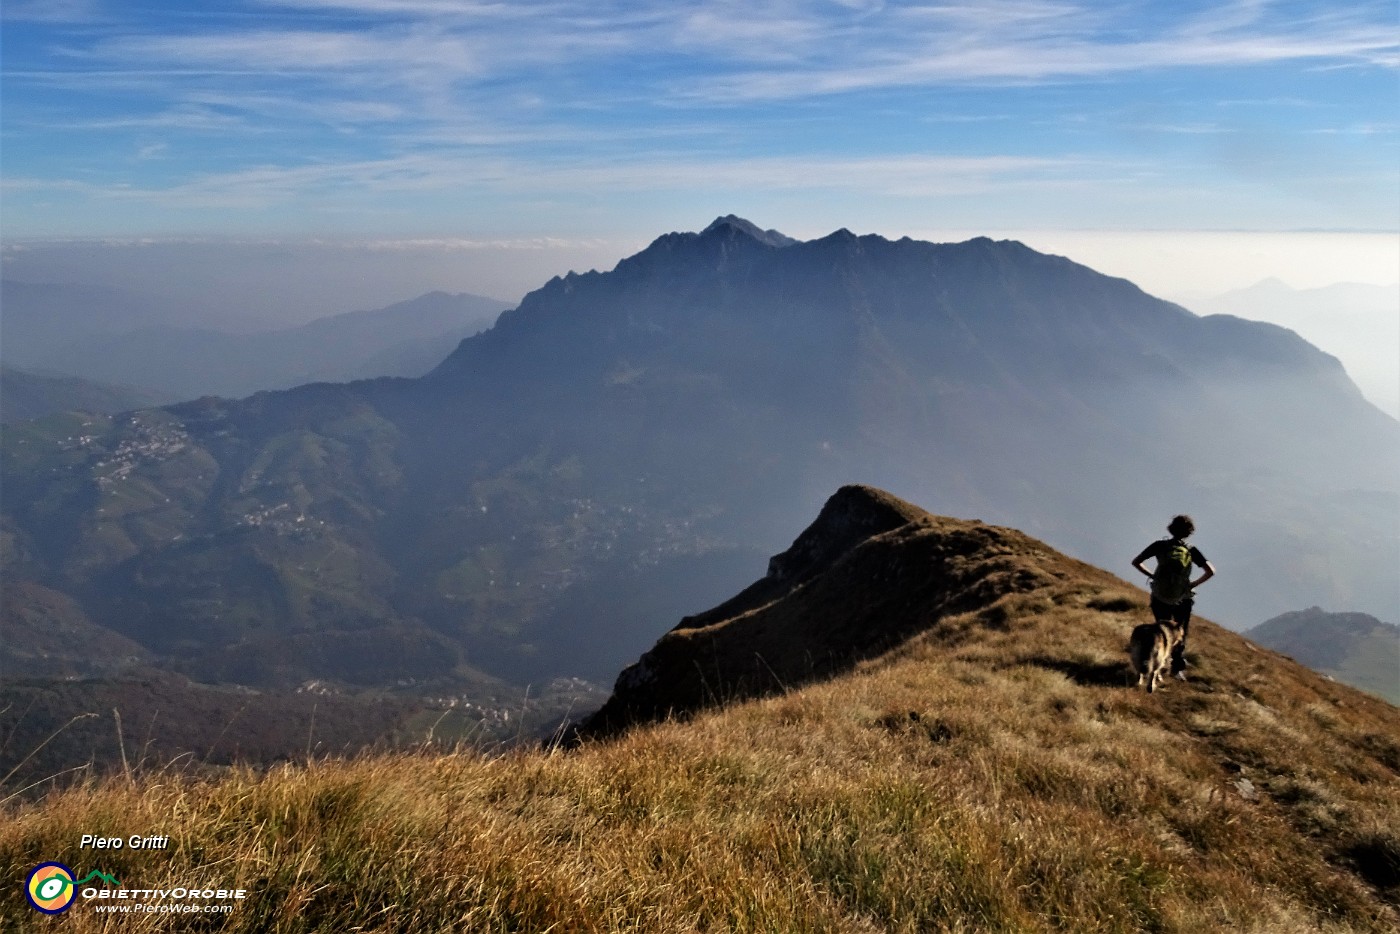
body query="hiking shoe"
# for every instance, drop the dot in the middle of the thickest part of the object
(1180, 676)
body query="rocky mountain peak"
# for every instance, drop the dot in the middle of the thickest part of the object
(852, 515)
(731, 224)
(868, 574)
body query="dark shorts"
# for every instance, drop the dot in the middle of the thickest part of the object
(1176, 612)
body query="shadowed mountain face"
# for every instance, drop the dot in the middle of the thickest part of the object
(868, 574)
(981, 378)
(624, 446)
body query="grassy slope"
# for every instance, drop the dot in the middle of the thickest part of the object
(1001, 780)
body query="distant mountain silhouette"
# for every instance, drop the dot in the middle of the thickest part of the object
(25, 395)
(625, 446)
(1356, 321)
(405, 339)
(983, 378)
(1352, 647)
(41, 319)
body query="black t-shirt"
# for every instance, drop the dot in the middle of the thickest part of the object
(1158, 550)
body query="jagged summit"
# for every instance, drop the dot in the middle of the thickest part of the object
(852, 515)
(731, 222)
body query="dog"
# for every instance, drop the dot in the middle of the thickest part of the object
(1150, 649)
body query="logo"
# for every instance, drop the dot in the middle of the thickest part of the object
(51, 887)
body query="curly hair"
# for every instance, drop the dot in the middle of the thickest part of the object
(1181, 526)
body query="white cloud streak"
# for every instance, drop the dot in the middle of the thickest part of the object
(774, 50)
(1032, 42)
(436, 59)
(51, 11)
(620, 95)
(914, 176)
(447, 62)
(289, 52)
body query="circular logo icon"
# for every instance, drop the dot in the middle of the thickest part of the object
(50, 888)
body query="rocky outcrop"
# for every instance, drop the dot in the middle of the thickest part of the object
(868, 574)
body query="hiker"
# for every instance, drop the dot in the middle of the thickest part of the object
(1173, 591)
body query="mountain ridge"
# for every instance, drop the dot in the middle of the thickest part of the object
(1356, 321)
(623, 446)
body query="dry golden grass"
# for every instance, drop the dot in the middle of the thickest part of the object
(991, 774)
(931, 790)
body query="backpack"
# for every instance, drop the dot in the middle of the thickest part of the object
(1171, 581)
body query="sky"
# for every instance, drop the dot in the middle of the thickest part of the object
(616, 118)
(1193, 147)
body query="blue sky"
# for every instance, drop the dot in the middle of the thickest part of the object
(610, 119)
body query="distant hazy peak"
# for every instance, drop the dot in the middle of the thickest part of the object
(748, 228)
(1317, 621)
(1271, 287)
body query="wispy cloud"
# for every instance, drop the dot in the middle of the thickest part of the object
(187, 117)
(912, 176)
(782, 49)
(52, 11)
(736, 51)
(289, 52)
(1378, 128)
(940, 98)
(1030, 42)
(418, 9)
